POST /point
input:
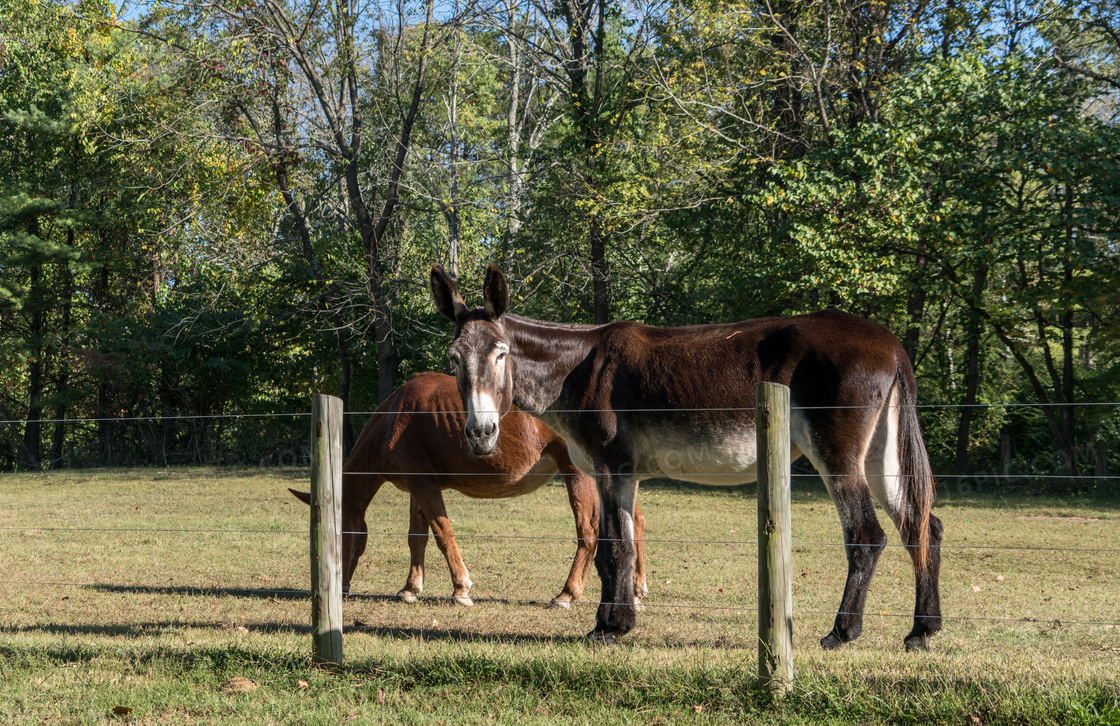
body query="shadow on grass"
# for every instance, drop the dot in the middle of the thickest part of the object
(135, 630)
(188, 590)
(290, 594)
(455, 635)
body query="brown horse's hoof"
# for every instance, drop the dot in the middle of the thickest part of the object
(638, 606)
(831, 642)
(407, 596)
(917, 644)
(561, 601)
(463, 600)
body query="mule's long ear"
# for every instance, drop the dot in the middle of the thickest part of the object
(304, 497)
(446, 294)
(495, 293)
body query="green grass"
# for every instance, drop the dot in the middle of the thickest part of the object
(128, 610)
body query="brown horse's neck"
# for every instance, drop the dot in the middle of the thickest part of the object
(544, 354)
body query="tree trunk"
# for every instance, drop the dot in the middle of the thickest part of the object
(451, 210)
(62, 383)
(32, 433)
(787, 104)
(326, 297)
(1068, 410)
(101, 304)
(972, 369)
(586, 105)
(373, 234)
(916, 305)
(600, 275)
(515, 166)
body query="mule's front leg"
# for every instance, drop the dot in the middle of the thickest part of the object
(616, 554)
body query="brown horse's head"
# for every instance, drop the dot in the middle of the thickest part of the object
(478, 354)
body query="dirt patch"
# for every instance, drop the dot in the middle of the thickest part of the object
(239, 685)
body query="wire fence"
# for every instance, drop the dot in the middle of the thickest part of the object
(1101, 474)
(268, 439)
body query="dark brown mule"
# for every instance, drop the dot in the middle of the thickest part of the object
(415, 441)
(634, 401)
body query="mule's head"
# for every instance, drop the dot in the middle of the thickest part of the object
(478, 354)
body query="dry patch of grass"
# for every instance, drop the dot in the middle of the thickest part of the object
(154, 591)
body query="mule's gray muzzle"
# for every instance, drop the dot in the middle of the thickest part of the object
(483, 438)
(482, 423)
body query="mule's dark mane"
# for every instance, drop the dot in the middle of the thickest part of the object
(541, 351)
(551, 326)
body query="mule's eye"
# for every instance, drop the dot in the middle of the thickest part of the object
(454, 363)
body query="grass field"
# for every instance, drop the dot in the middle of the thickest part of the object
(162, 593)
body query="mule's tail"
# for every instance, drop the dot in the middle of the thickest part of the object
(917, 475)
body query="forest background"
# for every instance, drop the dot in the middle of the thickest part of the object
(212, 209)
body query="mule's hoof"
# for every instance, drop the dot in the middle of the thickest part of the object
(831, 642)
(562, 601)
(407, 596)
(462, 600)
(601, 637)
(345, 589)
(917, 644)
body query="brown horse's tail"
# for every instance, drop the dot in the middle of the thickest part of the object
(917, 475)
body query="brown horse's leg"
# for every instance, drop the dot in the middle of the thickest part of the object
(584, 500)
(615, 557)
(417, 543)
(864, 540)
(431, 501)
(641, 589)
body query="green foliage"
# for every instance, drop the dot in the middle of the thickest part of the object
(946, 169)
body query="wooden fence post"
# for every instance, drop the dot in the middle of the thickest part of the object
(775, 588)
(326, 529)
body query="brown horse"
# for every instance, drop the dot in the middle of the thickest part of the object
(634, 401)
(415, 441)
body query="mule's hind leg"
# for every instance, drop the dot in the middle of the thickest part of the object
(616, 554)
(417, 543)
(864, 539)
(927, 597)
(884, 474)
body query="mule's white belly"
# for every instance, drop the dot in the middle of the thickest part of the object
(726, 457)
